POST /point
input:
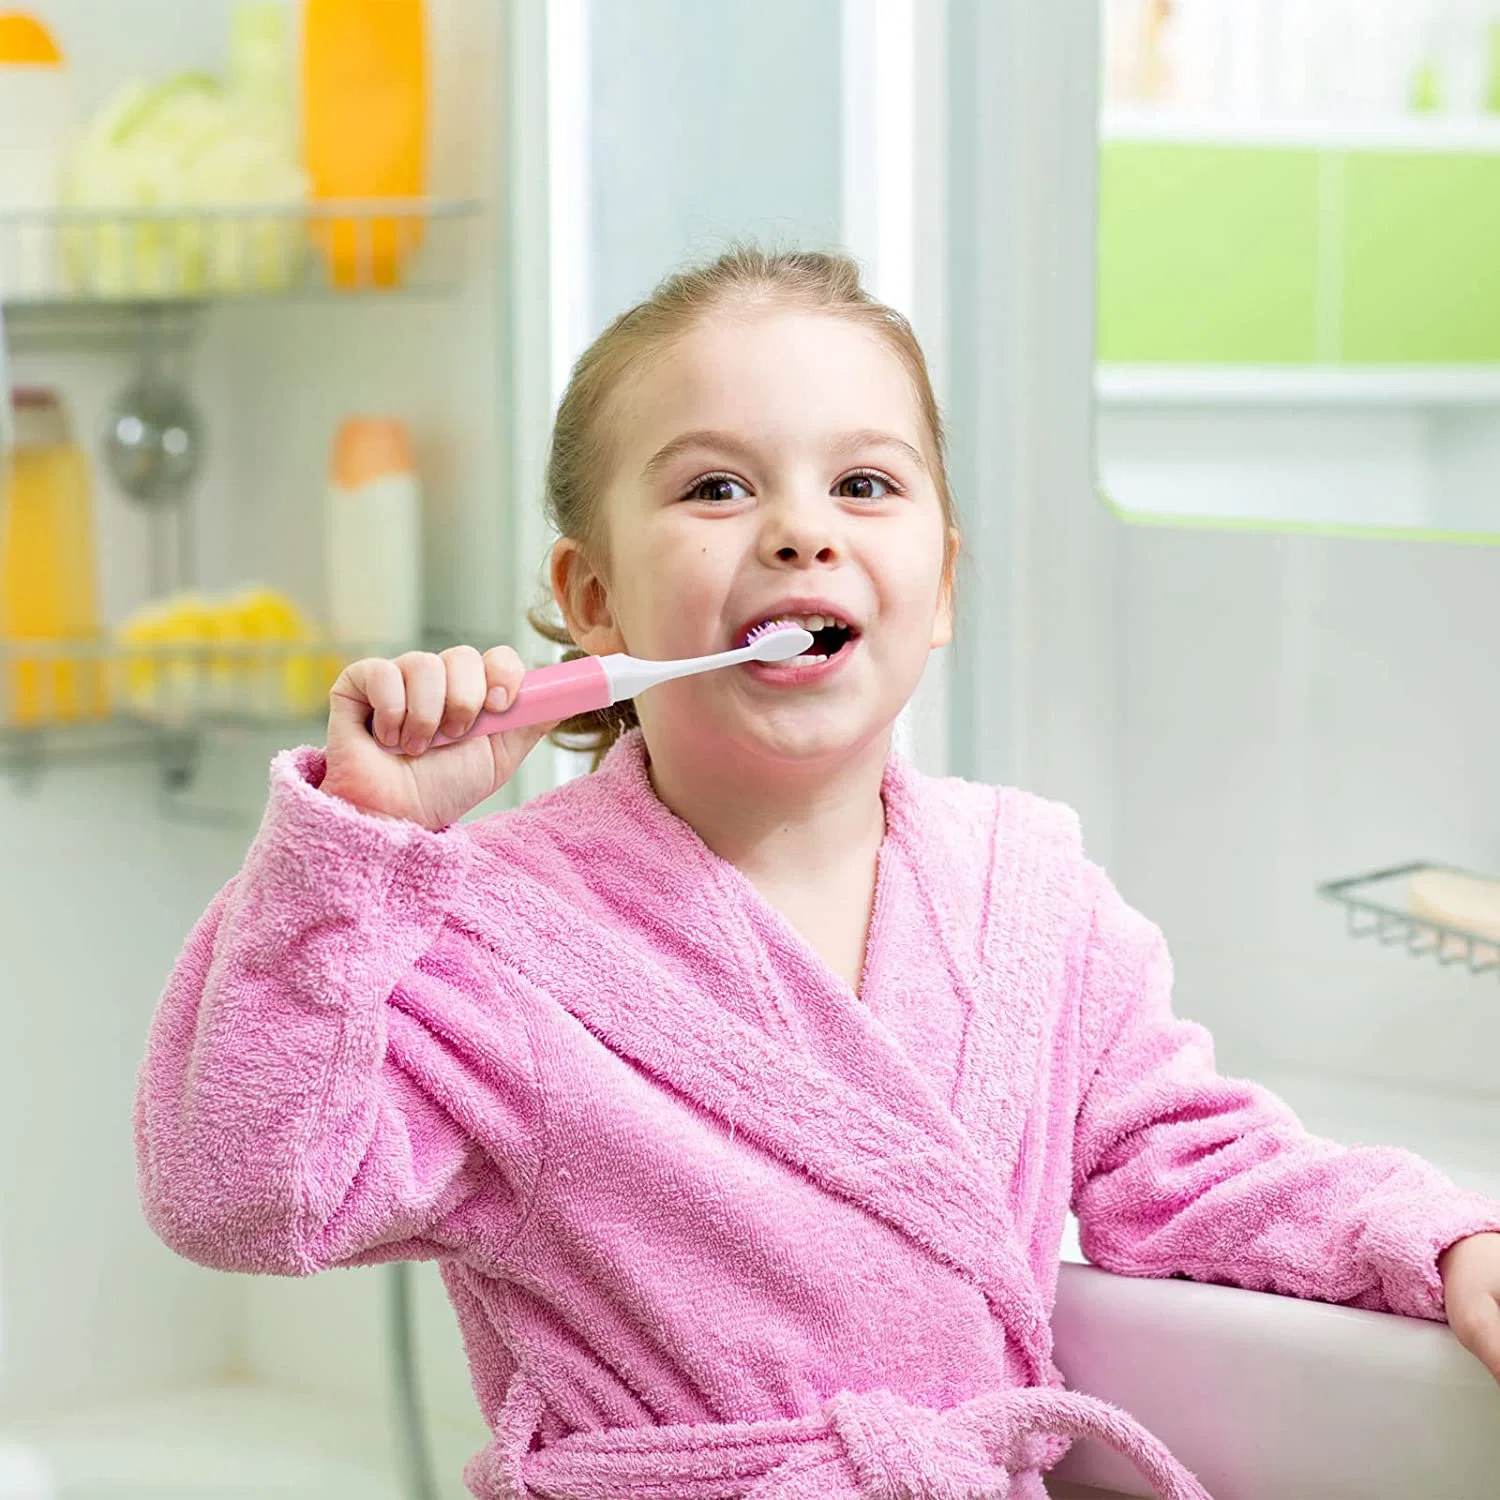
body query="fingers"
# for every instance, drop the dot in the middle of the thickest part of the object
(409, 699)
(466, 690)
(476, 683)
(373, 689)
(426, 678)
(503, 671)
(1477, 1325)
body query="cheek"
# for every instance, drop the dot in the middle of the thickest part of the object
(689, 561)
(915, 571)
(676, 578)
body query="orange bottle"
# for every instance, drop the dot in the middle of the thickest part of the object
(49, 596)
(364, 116)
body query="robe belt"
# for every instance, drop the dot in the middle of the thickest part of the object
(869, 1446)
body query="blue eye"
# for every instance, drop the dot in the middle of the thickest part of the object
(867, 479)
(715, 485)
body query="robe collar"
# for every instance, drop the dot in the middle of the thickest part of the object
(904, 1157)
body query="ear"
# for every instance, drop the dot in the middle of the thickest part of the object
(942, 622)
(583, 597)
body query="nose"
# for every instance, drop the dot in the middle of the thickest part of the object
(799, 533)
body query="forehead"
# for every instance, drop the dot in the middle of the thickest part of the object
(772, 373)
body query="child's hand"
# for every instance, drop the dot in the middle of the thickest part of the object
(412, 698)
(1471, 1294)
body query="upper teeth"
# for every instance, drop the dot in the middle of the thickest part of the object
(813, 623)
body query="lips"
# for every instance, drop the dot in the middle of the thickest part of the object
(801, 671)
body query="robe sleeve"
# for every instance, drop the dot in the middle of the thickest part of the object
(1181, 1172)
(300, 1102)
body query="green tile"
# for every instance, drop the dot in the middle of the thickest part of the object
(1208, 254)
(1422, 258)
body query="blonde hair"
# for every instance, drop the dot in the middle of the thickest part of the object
(581, 452)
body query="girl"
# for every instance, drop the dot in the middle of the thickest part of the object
(741, 1088)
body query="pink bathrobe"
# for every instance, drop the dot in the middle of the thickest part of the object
(714, 1226)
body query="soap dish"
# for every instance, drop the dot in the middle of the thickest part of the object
(1382, 905)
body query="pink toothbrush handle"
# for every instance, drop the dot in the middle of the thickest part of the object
(547, 695)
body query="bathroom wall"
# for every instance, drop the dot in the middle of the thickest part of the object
(97, 892)
(98, 889)
(1294, 709)
(707, 124)
(105, 45)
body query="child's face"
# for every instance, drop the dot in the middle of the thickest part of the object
(773, 464)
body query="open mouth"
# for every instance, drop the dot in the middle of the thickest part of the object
(830, 634)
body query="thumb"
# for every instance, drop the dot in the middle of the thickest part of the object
(512, 746)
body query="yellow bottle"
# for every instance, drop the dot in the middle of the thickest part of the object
(364, 127)
(49, 592)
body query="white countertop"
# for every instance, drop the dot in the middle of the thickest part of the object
(1270, 1398)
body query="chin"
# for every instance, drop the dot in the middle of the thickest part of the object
(741, 731)
(805, 737)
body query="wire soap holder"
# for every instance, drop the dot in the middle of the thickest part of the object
(1380, 905)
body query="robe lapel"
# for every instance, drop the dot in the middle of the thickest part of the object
(1027, 933)
(889, 1145)
(930, 1186)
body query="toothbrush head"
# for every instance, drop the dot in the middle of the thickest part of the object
(777, 640)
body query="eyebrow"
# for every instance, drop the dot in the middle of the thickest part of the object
(727, 442)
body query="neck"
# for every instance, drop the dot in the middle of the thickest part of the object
(781, 827)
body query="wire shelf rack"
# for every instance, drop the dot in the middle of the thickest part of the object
(1380, 905)
(71, 257)
(106, 700)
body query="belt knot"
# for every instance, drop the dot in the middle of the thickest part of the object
(904, 1452)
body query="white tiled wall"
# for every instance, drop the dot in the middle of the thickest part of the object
(97, 893)
(1295, 709)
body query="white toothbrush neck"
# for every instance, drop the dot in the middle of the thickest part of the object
(629, 675)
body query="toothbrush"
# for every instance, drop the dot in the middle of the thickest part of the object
(550, 694)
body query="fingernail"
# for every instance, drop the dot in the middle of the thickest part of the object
(497, 698)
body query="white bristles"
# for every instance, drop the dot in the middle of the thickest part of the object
(777, 642)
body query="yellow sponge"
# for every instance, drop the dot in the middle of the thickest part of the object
(233, 656)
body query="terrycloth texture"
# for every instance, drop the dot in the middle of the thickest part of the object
(679, 1176)
(865, 1446)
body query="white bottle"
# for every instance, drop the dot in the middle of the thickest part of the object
(36, 121)
(374, 535)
